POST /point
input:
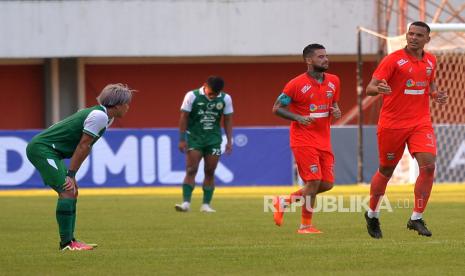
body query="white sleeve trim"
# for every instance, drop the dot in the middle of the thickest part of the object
(95, 122)
(228, 108)
(188, 101)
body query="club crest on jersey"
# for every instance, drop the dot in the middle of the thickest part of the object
(401, 62)
(211, 105)
(313, 107)
(305, 88)
(329, 94)
(219, 106)
(331, 85)
(410, 83)
(390, 156)
(314, 168)
(429, 70)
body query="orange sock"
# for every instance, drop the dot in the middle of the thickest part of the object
(377, 189)
(306, 216)
(423, 187)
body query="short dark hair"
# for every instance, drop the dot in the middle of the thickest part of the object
(215, 83)
(310, 49)
(421, 24)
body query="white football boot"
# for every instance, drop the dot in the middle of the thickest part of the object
(206, 208)
(184, 207)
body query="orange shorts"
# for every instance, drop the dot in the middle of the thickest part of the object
(314, 164)
(391, 143)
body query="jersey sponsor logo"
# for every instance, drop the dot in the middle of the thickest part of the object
(329, 94)
(200, 103)
(313, 107)
(314, 168)
(319, 115)
(421, 83)
(219, 106)
(331, 85)
(414, 91)
(401, 62)
(410, 83)
(305, 88)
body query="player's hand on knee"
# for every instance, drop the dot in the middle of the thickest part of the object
(70, 184)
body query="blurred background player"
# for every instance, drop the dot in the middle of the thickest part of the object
(308, 101)
(73, 138)
(200, 137)
(405, 78)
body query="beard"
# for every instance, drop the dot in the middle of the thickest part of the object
(319, 69)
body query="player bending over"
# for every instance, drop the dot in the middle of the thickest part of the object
(73, 138)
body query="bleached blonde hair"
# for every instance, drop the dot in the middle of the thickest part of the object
(115, 94)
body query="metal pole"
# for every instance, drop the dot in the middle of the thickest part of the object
(360, 108)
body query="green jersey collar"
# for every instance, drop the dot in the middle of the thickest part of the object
(104, 109)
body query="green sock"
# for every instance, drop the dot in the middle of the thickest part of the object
(65, 213)
(208, 194)
(74, 216)
(187, 192)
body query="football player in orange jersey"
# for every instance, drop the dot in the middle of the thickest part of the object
(405, 79)
(308, 101)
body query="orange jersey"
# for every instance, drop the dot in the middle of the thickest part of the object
(308, 97)
(409, 79)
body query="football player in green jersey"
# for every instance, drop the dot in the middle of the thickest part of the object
(73, 138)
(200, 137)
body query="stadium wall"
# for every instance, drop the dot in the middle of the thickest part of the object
(254, 87)
(171, 28)
(23, 96)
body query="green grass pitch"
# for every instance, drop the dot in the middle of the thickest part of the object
(141, 234)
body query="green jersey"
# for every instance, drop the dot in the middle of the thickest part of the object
(204, 123)
(65, 135)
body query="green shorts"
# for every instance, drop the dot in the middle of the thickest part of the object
(51, 167)
(206, 150)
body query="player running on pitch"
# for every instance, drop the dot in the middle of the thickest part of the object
(308, 101)
(405, 79)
